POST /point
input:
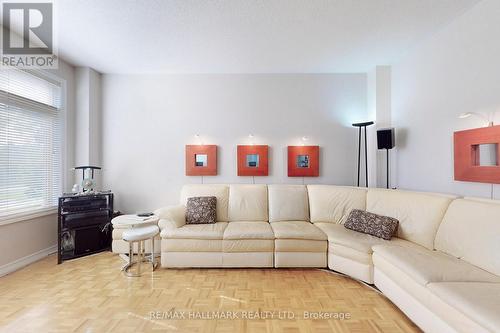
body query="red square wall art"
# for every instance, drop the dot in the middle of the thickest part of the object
(303, 161)
(477, 153)
(253, 160)
(201, 160)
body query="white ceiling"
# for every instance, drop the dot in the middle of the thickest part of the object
(245, 36)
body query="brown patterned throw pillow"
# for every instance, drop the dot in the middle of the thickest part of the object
(201, 210)
(371, 224)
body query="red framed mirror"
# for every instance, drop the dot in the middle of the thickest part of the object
(476, 155)
(303, 161)
(201, 160)
(253, 160)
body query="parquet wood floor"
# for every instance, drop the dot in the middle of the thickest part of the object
(92, 295)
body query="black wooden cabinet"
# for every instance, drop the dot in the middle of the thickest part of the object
(84, 224)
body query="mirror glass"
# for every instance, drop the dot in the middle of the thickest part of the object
(253, 161)
(485, 154)
(201, 160)
(302, 161)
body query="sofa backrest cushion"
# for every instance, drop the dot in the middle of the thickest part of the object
(471, 231)
(288, 203)
(221, 192)
(248, 203)
(329, 203)
(419, 213)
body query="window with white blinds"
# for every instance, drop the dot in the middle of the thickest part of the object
(30, 142)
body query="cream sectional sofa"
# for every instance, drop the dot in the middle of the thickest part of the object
(248, 233)
(442, 268)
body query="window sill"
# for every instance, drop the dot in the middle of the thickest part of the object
(25, 216)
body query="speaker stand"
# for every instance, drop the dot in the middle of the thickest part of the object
(387, 166)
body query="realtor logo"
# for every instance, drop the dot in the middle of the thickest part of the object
(27, 35)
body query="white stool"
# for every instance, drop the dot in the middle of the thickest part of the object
(140, 236)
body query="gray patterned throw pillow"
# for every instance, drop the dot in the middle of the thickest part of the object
(201, 210)
(371, 224)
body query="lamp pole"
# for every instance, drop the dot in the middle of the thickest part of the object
(363, 125)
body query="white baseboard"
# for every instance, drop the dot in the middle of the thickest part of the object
(25, 261)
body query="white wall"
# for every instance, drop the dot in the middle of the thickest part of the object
(88, 117)
(456, 71)
(19, 241)
(147, 121)
(82, 118)
(379, 109)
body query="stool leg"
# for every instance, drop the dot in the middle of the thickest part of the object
(131, 262)
(144, 251)
(153, 258)
(153, 251)
(130, 252)
(139, 259)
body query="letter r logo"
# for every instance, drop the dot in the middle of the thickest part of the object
(27, 28)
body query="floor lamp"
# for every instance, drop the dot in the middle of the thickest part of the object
(361, 127)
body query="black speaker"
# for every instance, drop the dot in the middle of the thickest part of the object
(385, 138)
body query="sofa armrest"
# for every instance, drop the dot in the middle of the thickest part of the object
(171, 217)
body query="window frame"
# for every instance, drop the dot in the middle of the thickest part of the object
(30, 213)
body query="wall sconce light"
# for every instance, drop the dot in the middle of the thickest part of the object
(479, 115)
(304, 139)
(250, 137)
(198, 139)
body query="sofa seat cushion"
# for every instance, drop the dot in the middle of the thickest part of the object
(249, 230)
(425, 266)
(196, 231)
(297, 230)
(349, 253)
(338, 234)
(191, 245)
(248, 245)
(480, 301)
(300, 245)
(416, 300)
